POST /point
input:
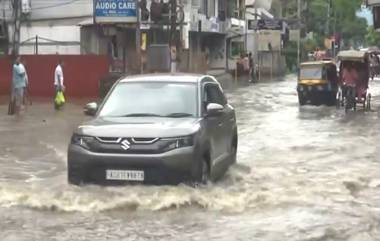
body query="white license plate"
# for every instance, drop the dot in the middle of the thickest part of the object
(125, 175)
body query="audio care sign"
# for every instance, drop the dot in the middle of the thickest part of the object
(115, 11)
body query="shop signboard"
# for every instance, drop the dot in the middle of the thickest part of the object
(115, 11)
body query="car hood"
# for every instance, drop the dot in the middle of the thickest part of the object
(139, 127)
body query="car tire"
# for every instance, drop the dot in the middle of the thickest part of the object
(234, 150)
(368, 107)
(203, 175)
(205, 178)
(73, 179)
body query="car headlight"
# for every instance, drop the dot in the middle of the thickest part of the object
(83, 141)
(179, 142)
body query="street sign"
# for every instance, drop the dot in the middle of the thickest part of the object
(270, 24)
(115, 11)
(265, 24)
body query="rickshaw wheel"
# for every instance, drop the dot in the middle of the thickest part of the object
(339, 100)
(368, 100)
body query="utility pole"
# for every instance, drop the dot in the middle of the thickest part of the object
(335, 35)
(173, 38)
(299, 30)
(138, 37)
(16, 12)
(328, 18)
(256, 47)
(245, 27)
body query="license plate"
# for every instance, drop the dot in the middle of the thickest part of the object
(125, 175)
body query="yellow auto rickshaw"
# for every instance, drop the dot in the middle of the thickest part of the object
(317, 83)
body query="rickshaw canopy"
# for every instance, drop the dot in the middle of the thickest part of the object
(352, 55)
(317, 63)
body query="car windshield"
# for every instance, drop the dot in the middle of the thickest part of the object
(163, 99)
(311, 73)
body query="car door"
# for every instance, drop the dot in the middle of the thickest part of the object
(229, 121)
(214, 123)
(227, 118)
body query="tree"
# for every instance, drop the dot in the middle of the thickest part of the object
(318, 19)
(342, 18)
(372, 37)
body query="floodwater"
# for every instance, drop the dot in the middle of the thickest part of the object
(307, 174)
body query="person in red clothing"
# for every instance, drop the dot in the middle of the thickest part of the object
(350, 75)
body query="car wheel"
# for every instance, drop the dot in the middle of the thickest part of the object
(369, 102)
(203, 175)
(234, 150)
(73, 179)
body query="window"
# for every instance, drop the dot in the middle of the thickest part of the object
(376, 17)
(311, 72)
(155, 98)
(213, 94)
(236, 48)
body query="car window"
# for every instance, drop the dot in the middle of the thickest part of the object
(156, 99)
(213, 94)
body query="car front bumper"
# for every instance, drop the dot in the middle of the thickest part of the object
(172, 167)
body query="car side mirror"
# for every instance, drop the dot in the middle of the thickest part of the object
(90, 109)
(214, 109)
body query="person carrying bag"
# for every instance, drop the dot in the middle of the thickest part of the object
(59, 98)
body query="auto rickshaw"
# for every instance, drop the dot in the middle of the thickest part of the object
(317, 83)
(354, 75)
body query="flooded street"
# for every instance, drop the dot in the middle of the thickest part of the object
(307, 174)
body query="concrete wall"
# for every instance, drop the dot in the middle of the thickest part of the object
(54, 9)
(266, 4)
(68, 37)
(217, 57)
(272, 63)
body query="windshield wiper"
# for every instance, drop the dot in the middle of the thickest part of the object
(179, 115)
(141, 115)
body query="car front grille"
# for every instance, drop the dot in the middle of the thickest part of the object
(129, 145)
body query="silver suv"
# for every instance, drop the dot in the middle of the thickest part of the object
(156, 129)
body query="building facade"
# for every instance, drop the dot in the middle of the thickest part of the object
(47, 27)
(375, 5)
(210, 34)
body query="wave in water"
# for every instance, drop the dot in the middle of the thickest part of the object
(232, 195)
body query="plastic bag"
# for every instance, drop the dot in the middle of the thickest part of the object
(59, 98)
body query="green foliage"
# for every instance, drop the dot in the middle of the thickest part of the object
(310, 45)
(291, 56)
(342, 19)
(372, 37)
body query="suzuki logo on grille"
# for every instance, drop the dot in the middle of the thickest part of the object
(125, 145)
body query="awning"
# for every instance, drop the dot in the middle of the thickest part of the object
(87, 22)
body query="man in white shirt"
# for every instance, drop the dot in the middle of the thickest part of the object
(26, 89)
(58, 80)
